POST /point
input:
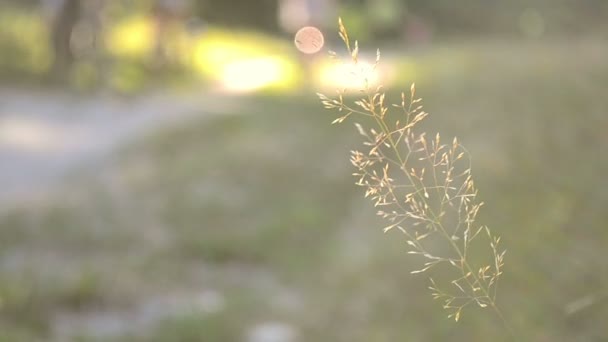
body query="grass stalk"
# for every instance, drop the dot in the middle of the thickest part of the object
(443, 204)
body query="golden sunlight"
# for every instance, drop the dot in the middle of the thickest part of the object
(252, 74)
(348, 75)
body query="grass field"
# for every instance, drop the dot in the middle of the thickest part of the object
(222, 228)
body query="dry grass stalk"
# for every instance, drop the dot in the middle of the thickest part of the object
(423, 187)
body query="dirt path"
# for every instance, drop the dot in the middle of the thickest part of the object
(45, 135)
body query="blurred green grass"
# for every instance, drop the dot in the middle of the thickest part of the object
(24, 44)
(260, 206)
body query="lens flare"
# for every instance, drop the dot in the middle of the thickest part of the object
(309, 40)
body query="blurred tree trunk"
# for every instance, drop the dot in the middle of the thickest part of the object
(62, 27)
(253, 14)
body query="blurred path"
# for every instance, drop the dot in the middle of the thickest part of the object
(46, 134)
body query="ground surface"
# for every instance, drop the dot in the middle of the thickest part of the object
(161, 220)
(44, 134)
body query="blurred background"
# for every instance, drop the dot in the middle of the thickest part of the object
(167, 173)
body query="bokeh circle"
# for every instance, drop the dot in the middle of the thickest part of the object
(309, 40)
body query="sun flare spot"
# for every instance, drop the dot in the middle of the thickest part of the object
(309, 40)
(349, 75)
